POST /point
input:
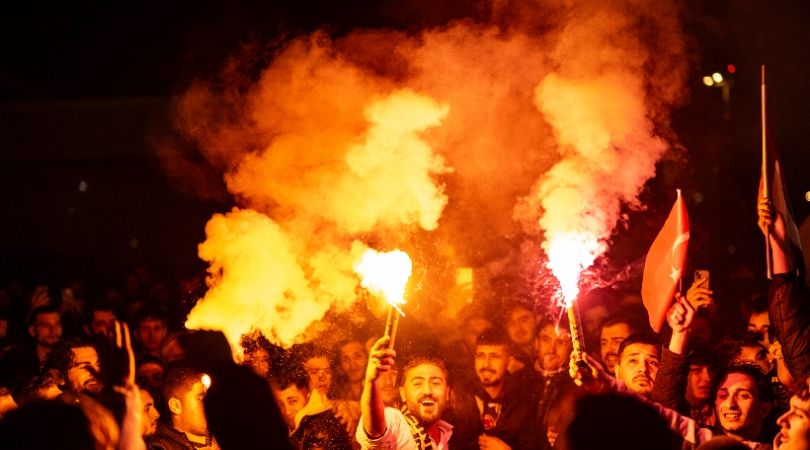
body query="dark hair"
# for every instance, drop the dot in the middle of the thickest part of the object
(151, 312)
(292, 375)
(61, 355)
(414, 361)
(632, 321)
(761, 381)
(757, 304)
(730, 348)
(100, 305)
(493, 336)
(305, 352)
(639, 338)
(150, 359)
(179, 378)
(44, 309)
(701, 357)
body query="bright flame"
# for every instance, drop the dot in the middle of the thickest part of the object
(385, 274)
(717, 77)
(569, 255)
(206, 380)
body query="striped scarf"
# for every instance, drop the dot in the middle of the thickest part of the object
(422, 438)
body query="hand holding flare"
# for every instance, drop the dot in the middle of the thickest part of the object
(386, 274)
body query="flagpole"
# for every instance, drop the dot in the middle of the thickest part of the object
(765, 182)
(680, 220)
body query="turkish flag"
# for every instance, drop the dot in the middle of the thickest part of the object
(665, 263)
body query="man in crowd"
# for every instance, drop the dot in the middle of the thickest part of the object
(352, 358)
(425, 393)
(759, 322)
(311, 422)
(78, 364)
(522, 327)
(639, 358)
(186, 429)
(151, 328)
(612, 332)
(100, 321)
(699, 388)
(550, 379)
(149, 413)
(742, 400)
(493, 413)
(21, 363)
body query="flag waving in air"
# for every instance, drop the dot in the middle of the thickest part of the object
(665, 263)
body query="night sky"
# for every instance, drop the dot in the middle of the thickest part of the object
(85, 90)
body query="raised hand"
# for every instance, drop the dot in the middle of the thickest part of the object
(681, 313)
(698, 296)
(381, 359)
(590, 376)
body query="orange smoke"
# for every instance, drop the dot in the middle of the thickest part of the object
(539, 118)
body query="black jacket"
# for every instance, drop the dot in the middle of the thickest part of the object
(670, 384)
(789, 310)
(167, 438)
(513, 424)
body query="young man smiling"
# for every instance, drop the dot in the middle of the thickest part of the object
(425, 393)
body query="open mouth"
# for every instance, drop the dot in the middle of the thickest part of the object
(427, 402)
(732, 416)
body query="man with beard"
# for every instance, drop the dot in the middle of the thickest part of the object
(639, 358)
(550, 379)
(493, 413)
(149, 414)
(742, 401)
(425, 393)
(612, 332)
(78, 363)
(23, 362)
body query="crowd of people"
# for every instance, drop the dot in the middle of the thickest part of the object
(70, 378)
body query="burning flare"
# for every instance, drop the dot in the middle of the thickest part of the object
(385, 274)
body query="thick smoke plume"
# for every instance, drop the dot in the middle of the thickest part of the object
(473, 137)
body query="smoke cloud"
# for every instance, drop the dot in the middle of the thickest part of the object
(458, 143)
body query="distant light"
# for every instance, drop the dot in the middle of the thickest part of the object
(697, 197)
(82, 186)
(206, 380)
(708, 81)
(717, 77)
(731, 249)
(134, 242)
(731, 68)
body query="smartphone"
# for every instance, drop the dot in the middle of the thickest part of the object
(702, 276)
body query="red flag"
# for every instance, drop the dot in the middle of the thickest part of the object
(665, 263)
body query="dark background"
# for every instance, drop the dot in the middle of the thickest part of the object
(85, 88)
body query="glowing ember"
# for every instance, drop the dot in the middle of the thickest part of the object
(385, 274)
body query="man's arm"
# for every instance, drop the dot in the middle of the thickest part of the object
(381, 360)
(596, 381)
(670, 383)
(788, 306)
